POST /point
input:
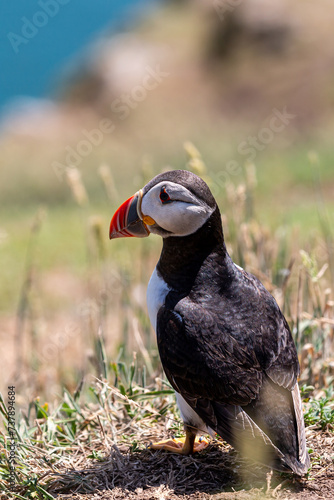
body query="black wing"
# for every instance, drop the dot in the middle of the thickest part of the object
(236, 364)
(221, 347)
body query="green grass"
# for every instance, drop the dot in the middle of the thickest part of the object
(71, 242)
(291, 192)
(117, 410)
(319, 412)
(58, 244)
(68, 261)
(49, 437)
(64, 242)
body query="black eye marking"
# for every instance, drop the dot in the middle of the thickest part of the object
(164, 196)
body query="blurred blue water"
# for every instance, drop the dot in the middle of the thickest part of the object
(39, 37)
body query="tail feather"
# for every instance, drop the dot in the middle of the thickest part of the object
(304, 458)
(270, 430)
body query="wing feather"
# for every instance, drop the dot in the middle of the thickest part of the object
(236, 365)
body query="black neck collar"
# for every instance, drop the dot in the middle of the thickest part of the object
(182, 257)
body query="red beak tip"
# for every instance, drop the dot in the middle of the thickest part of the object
(113, 234)
(126, 221)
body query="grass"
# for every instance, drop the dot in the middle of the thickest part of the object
(75, 276)
(320, 412)
(289, 187)
(82, 316)
(58, 448)
(72, 305)
(49, 439)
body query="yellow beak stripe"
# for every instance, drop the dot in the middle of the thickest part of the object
(148, 220)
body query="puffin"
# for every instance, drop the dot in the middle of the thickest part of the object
(224, 344)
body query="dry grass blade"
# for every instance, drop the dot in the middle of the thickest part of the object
(206, 472)
(94, 445)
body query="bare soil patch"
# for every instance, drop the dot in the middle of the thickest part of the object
(216, 473)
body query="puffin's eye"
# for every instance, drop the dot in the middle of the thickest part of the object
(164, 196)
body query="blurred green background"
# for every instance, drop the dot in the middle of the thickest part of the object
(241, 92)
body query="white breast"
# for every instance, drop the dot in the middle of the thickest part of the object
(157, 291)
(190, 417)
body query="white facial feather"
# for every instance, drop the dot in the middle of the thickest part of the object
(183, 215)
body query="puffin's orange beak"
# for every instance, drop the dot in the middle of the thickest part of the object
(126, 220)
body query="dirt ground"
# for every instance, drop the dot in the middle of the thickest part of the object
(214, 474)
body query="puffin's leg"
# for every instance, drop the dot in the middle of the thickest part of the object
(184, 446)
